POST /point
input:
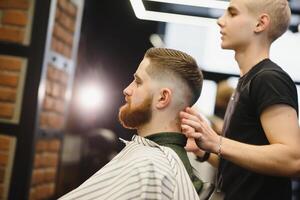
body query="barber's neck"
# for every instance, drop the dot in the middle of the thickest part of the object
(158, 125)
(251, 55)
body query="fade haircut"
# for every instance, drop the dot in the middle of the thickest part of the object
(279, 12)
(164, 62)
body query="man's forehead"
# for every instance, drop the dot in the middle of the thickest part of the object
(145, 61)
(142, 67)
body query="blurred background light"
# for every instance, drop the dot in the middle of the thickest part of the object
(156, 40)
(207, 98)
(91, 97)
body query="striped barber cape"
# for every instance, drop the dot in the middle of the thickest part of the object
(142, 170)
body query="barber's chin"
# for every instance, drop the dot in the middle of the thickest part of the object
(223, 45)
(226, 46)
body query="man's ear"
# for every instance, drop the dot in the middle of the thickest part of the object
(164, 98)
(263, 23)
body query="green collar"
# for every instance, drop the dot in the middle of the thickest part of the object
(177, 141)
(168, 138)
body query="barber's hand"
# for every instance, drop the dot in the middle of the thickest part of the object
(191, 146)
(205, 137)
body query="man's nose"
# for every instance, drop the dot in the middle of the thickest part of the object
(127, 91)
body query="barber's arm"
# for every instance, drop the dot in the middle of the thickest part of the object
(280, 158)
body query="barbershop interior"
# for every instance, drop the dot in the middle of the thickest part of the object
(65, 63)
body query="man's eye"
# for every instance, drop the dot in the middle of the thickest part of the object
(137, 82)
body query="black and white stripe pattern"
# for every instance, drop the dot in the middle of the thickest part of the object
(142, 170)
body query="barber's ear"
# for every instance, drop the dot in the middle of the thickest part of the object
(263, 23)
(164, 98)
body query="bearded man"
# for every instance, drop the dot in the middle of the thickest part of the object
(154, 164)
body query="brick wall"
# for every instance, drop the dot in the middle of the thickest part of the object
(54, 105)
(53, 111)
(14, 21)
(45, 169)
(12, 72)
(64, 28)
(7, 150)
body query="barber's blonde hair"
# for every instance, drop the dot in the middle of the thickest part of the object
(279, 12)
(164, 62)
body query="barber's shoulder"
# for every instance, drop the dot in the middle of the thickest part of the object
(276, 75)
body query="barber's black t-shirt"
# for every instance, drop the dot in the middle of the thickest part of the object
(264, 85)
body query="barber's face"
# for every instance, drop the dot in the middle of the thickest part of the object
(138, 95)
(237, 26)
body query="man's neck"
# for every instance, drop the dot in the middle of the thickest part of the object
(248, 57)
(157, 126)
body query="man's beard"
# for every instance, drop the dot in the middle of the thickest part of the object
(133, 117)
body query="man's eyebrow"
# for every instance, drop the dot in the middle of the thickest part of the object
(137, 77)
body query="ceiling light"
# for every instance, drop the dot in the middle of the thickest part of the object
(217, 4)
(142, 13)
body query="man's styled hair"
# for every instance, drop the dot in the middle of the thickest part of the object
(164, 62)
(279, 12)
